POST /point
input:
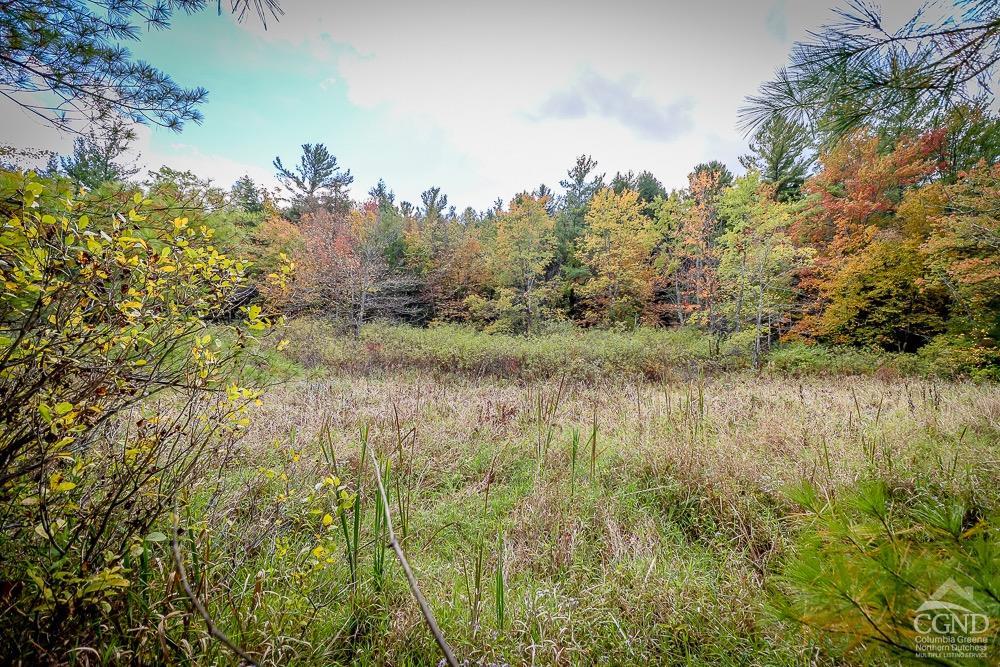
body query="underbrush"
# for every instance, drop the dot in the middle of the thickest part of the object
(579, 354)
(575, 353)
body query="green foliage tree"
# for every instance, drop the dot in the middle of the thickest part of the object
(757, 265)
(779, 151)
(435, 204)
(580, 185)
(972, 136)
(644, 183)
(247, 195)
(856, 72)
(649, 187)
(95, 158)
(866, 558)
(718, 172)
(962, 253)
(382, 195)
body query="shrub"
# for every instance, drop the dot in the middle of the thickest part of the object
(952, 355)
(115, 396)
(577, 354)
(797, 358)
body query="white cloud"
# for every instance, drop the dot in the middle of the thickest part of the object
(25, 131)
(520, 88)
(486, 99)
(184, 157)
(594, 95)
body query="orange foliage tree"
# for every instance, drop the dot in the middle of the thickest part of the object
(342, 271)
(854, 199)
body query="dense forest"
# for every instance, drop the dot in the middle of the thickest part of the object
(878, 239)
(750, 420)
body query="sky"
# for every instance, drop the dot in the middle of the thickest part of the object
(484, 99)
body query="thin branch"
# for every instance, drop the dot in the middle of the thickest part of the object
(424, 608)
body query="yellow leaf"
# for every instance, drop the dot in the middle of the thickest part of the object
(327, 519)
(57, 484)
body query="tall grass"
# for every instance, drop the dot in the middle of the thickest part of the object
(575, 521)
(666, 546)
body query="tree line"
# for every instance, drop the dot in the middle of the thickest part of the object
(868, 241)
(876, 239)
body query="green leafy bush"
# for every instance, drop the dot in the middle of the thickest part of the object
(116, 394)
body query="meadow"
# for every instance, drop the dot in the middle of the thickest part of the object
(628, 518)
(629, 413)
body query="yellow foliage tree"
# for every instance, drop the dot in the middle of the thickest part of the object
(615, 246)
(525, 247)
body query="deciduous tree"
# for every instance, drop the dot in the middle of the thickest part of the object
(523, 252)
(615, 247)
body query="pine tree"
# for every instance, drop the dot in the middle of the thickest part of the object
(247, 196)
(779, 150)
(316, 181)
(580, 186)
(96, 157)
(72, 54)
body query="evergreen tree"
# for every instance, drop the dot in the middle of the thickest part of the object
(435, 203)
(649, 187)
(543, 192)
(857, 72)
(95, 157)
(719, 174)
(779, 151)
(72, 52)
(316, 181)
(382, 195)
(247, 196)
(580, 186)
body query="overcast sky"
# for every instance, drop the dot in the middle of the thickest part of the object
(484, 99)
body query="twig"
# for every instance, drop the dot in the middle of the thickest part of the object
(212, 629)
(424, 608)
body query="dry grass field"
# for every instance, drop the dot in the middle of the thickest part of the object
(560, 522)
